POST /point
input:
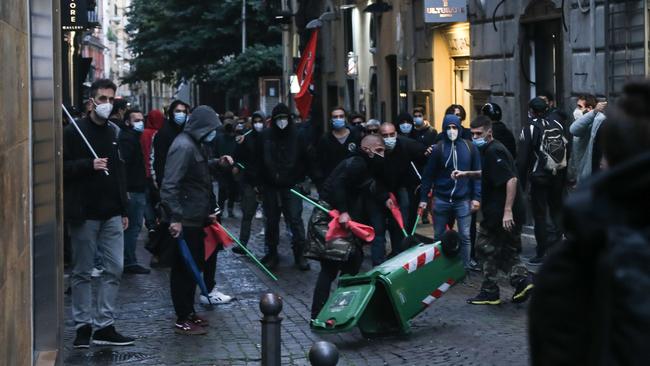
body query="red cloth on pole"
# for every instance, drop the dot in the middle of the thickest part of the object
(214, 236)
(397, 214)
(336, 230)
(305, 73)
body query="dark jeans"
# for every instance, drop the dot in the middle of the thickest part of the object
(210, 271)
(182, 282)
(227, 190)
(546, 200)
(136, 209)
(152, 198)
(248, 207)
(329, 270)
(282, 201)
(381, 219)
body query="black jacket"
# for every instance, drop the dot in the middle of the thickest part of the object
(502, 133)
(590, 304)
(285, 159)
(426, 136)
(131, 152)
(248, 155)
(162, 140)
(353, 178)
(330, 152)
(186, 190)
(398, 170)
(90, 194)
(530, 163)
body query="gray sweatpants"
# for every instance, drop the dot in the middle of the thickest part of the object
(86, 238)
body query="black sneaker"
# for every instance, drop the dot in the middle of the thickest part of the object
(136, 269)
(83, 337)
(523, 290)
(301, 263)
(485, 298)
(270, 260)
(108, 336)
(238, 250)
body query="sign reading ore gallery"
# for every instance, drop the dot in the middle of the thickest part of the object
(74, 14)
(445, 11)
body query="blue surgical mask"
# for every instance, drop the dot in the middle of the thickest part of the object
(138, 126)
(405, 128)
(390, 142)
(211, 136)
(418, 121)
(338, 123)
(479, 141)
(180, 118)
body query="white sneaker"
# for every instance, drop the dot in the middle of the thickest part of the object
(259, 214)
(97, 272)
(216, 298)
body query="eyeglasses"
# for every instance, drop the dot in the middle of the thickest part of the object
(372, 131)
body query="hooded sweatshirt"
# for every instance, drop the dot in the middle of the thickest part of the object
(163, 140)
(446, 157)
(186, 190)
(153, 123)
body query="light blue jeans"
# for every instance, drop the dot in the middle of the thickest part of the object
(443, 212)
(86, 239)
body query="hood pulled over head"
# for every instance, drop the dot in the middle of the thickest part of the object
(451, 119)
(155, 120)
(203, 120)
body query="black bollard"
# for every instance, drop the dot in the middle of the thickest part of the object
(323, 354)
(271, 305)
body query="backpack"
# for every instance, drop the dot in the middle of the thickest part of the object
(552, 148)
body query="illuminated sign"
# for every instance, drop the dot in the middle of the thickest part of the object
(445, 11)
(74, 14)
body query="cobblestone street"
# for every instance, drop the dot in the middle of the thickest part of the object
(450, 332)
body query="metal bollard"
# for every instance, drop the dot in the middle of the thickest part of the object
(271, 305)
(323, 354)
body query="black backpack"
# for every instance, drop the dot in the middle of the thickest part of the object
(551, 150)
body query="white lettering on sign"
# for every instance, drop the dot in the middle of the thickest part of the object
(444, 12)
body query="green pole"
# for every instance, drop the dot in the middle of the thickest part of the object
(309, 200)
(415, 226)
(249, 253)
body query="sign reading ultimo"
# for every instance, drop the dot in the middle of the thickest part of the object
(74, 14)
(445, 11)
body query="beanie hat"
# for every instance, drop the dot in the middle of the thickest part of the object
(280, 110)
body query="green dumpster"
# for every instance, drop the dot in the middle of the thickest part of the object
(383, 300)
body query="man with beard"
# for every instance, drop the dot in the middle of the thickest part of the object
(176, 117)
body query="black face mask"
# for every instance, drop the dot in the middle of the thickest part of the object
(375, 164)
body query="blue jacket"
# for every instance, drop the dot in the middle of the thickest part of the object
(441, 164)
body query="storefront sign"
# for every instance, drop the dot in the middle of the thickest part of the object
(445, 11)
(74, 14)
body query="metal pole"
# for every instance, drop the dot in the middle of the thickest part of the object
(271, 305)
(83, 137)
(243, 26)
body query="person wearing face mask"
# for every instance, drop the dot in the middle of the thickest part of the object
(498, 240)
(224, 145)
(188, 198)
(356, 122)
(247, 153)
(400, 179)
(453, 198)
(586, 152)
(136, 183)
(341, 142)
(459, 111)
(284, 163)
(95, 208)
(354, 181)
(404, 124)
(176, 116)
(423, 132)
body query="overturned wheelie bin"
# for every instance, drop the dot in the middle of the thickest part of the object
(383, 300)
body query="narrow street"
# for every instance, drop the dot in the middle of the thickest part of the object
(450, 332)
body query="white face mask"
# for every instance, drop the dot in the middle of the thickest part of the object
(390, 142)
(258, 126)
(452, 134)
(282, 123)
(577, 113)
(103, 110)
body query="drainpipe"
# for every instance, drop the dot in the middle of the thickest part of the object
(592, 19)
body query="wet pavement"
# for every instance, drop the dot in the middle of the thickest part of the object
(450, 332)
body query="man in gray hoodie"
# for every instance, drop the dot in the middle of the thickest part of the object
(585, 154)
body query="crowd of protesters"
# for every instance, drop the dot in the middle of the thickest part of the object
(174, 174)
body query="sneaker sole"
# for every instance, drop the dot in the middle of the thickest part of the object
(184, 332)
(78, 346)
(109, 343)
(485, 302)
(523, 295)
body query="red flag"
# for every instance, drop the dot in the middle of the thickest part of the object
(305, 73)
(397, 214)
(336, 230)
(214, 236)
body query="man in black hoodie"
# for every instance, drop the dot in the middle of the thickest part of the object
(136, 182)
(176, 117)
(96, 212)
(339, 143)
(283, 165)
(187, 195)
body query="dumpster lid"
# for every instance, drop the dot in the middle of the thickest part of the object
(344, 308)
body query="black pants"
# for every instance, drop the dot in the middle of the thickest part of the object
(248, 207)
(210, 271)
(546, 200)
(182, 281)
(282, 201)
(329, 270)
(227, 190)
